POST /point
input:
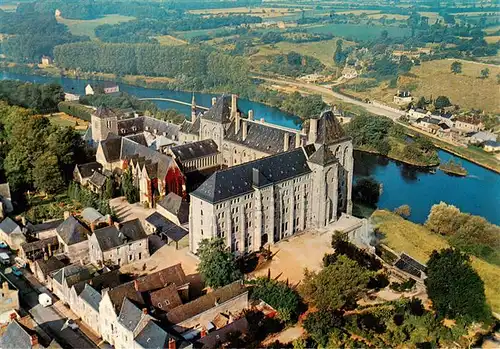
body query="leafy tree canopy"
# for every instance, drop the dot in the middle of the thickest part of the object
(217, 264)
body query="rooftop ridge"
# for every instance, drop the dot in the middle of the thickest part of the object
(283, 128)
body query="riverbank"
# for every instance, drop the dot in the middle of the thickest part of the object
(454, 168)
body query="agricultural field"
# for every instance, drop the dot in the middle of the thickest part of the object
(416, 240)
(492, 39)
(63, 120)
(434, 78)
(389, 16)
(169, 40)
(264, 12)
(358, 32)
(8, 7)
(87, 27)
(322, 50)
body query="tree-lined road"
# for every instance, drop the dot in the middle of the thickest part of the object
(331, 96)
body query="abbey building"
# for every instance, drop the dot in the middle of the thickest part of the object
(262, 182)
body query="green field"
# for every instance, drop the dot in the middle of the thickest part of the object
(358, 32)
(416, 240)
(87, 27)
(169, 40)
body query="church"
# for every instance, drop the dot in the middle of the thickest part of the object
(262, 182)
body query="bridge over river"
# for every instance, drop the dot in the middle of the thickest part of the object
(172, 101)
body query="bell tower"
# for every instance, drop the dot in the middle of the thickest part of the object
(104, 122)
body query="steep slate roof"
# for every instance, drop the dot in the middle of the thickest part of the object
(166, 298)
(73, 274)
(72, 231)
(130, 149)
(160, 127)
(90, 215)
(16, 337)
(111, 147)
(215, 338)
(139, 138)
(238, 180)
(263, 137)
(130, 315)
(151, 282)
(8, 226)
(35, 228)
(153, 336)
(206, 302)
(112, 236)
(329, 128)
(50, 265)
(174, 204)
(97, 179)
(86, 170)
(220, 111)
(91, 296)
(194, 150)
(105, 112)
(323, 156)
(190, 127)
(107, 280)
(39, 245)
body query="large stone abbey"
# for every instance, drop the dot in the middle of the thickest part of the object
(262, 182)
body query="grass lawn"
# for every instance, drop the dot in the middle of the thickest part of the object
(416, 240)
(434, 78)
(169, 40)
(87, 27)
(322, 50)
(358, 31)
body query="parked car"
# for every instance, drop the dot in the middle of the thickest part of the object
(16, 271)
(44, 299)
(4, 258)
(71, 324)
(3, 244)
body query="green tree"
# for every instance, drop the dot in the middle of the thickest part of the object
(46, 174)
(485, 73)
(321, 323)
(366, 190)
(336, 285)
(128, 188)
(456, 67)
(278, 295)
(454, 287)
(217, 264)
(109, 191)
(444, 219)
(442, 102)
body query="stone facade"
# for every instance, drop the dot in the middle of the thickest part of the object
(9, 298)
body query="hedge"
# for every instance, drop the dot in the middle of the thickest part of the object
(75, 109)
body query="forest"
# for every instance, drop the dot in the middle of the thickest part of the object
(33, 35)
(194, 68)
(293, 64)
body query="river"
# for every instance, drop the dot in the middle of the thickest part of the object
(477, 193)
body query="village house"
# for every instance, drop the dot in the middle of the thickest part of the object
(174, 208)
(417, 113)
(169, 231)
(9, 298)
(428, 124)
(349, 72)
(85, 296)
(190, 319)
(73, 239)
(141, 292)
(119, 244)
(196, 156)
(96, 183)
(42, 268)
(107, 87)
(63, 279)
(11, 234)
(46, 60)
(482, 136)
(31, 251)
(94, 219)
(83, 172)
(491, 146)
(43, 230)
(17, 336)
(71, 97)
(403, 97)
(468, 124)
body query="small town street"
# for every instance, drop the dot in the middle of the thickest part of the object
(47, 318)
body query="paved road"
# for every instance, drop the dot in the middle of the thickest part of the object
(48, 319)
(328, 94)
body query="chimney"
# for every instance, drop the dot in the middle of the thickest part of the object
(203, 332)
(145, 311)
(34, 340)
(298, 140)
(136, 285)
(245, 129)
(92, 226)
(110, 220)
(250, 114)
(286, 141)
(13, 316)
(214, 100)
(66, 214)
(313, 130)
(171, 344)
(5, 286)
(49, 248)
(237, 123)
(234, 105)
